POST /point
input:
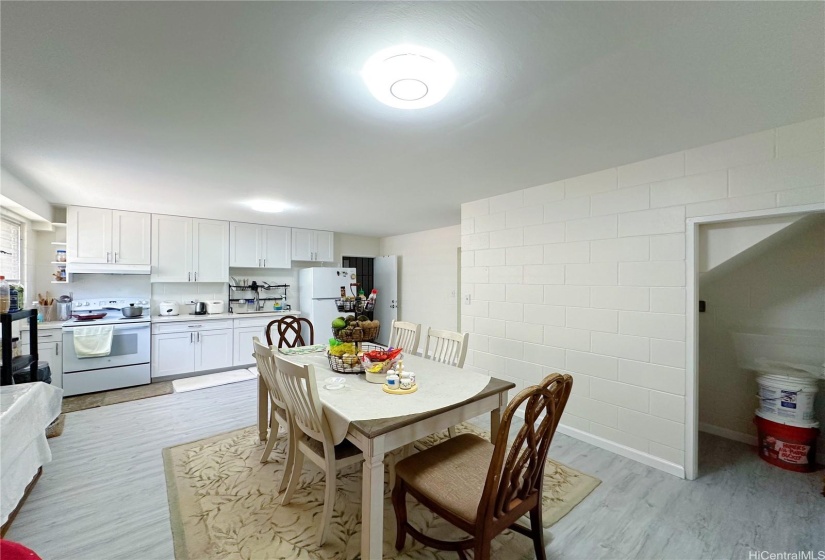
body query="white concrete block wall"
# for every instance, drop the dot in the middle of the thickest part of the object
(594, 274)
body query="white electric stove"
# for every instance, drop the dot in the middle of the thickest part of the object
(127, 363)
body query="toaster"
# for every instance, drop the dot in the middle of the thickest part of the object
(169, 308)
(214, 307)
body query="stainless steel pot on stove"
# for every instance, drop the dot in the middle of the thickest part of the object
(132, 311)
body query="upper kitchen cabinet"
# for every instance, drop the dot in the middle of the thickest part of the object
(107, 237)
(189, 249)
(259, 246)
(312, 245)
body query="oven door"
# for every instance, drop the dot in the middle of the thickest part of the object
(130, 346)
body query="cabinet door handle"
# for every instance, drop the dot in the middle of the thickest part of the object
(56, 348)
(115, 256)
(264, 263)
(108, 256)
(259, 263)
(199, 337)
(189, 278)
(196, 276)
(44, 336)
(191, 338)
(195, 326)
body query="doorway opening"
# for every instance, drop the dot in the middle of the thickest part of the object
(756, 303)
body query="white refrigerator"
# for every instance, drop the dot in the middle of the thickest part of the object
(318, 288)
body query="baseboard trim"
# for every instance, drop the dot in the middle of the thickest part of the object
(624, 451)
(728, 434)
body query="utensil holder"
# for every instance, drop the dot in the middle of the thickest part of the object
(47, 312)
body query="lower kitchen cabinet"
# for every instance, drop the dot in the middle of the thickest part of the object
(190, 347)
(50, 349)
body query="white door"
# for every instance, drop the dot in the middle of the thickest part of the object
(324, 246)
(213, 349)
(171, 249)
(277, 247)
(386, 306)
(88, 235)
(245, 245)
(131, 237)
(302, 244)
(210, 251)
(173, 353)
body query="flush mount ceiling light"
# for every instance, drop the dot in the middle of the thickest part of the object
(408, 77)
(271, 206)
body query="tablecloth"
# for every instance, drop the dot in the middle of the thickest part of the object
(25, 412)
(439, 385)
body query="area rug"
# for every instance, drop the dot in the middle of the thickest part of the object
(224, 504)
(105, 398)
(212, 380)
(55, 429)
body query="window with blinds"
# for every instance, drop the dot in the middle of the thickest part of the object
(10, 243)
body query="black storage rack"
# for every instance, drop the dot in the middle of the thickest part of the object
(16, 365)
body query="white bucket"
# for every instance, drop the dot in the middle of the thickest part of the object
(787, 398)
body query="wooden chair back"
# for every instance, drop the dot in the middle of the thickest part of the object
(265, 359)
(447, 347)
(300, 392)
(289, 332)
(405, 335)
(514, 481)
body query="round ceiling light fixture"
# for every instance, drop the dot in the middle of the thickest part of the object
(270, 206)
(409, 77)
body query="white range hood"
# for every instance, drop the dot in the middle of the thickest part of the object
(102, 268)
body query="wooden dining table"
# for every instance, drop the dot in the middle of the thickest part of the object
(377, 436)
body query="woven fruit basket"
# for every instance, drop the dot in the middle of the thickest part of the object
(350, 363)
(357, 334)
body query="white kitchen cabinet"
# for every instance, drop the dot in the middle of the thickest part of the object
(50, 349)
(101, 236)
(210, 250)
(243, 342)
(213, 349)
(259, 246)
(173, 353)
(131, 237)
(188, 347)
(312, 245)
(189, 249)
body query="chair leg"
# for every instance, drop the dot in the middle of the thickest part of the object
(273, 435)
(399, 504)
(294, 475)
(451, 431)
(329, 500)
(291, 452)
(538, 531)
(482, 549)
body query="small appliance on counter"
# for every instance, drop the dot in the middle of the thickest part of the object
(199, 308)
(169, 308)
(214, 307)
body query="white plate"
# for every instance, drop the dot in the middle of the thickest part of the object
(334, 383)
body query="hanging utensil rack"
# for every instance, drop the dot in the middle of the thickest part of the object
(250, 291)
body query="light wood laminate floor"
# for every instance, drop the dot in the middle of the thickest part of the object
(103, 497)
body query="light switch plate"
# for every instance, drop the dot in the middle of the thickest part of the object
(467, 299)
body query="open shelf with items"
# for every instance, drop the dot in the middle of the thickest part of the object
(252, 292)
(17, 364)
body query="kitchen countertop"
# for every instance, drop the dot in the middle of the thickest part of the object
(214, 316)
(43, 326)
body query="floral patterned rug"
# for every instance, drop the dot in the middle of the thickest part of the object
(224, 505)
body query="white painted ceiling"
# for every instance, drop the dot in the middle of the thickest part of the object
(195, 107)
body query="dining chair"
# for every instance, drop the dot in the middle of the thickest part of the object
(279, 415)
(497, 484)
(289, 333)
(405, 335)
(447, 347)
(313, 438)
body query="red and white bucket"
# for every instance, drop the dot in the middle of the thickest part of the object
(787, 446)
